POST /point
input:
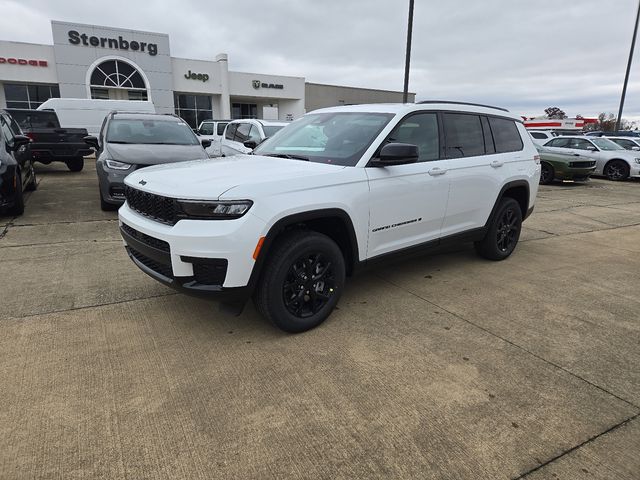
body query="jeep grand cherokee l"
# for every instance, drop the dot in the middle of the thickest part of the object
(336, 190)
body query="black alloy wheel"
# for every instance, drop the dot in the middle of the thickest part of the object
(302, 280)
(546, 174)
(309, 285)
(616, 170)
(508, 230)
(504, 231)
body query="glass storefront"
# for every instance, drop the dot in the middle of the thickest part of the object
(30, 97)
(244, 110)
(193, 109)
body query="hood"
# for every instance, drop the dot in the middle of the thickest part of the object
(209, 179)
(140, 154)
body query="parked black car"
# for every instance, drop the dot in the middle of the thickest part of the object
(50, 142)
(16, 166)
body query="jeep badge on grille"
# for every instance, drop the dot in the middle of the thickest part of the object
(142, 182)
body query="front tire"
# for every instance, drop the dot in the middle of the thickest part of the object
(546, 174)
(616, 170)
(75, 164)
(503, 233)
(302, 281)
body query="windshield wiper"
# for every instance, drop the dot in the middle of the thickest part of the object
(286, 155)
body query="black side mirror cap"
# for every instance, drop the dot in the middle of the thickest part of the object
(396, 154)
(206, 143)
(92, 141)
(19, 141)
(250, 144)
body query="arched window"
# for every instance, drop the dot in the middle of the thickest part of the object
(116, 79)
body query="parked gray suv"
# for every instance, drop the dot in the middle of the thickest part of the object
(130, 141)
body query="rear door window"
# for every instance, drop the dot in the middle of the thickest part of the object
(220, 129)
(505, 135)
(463, 135)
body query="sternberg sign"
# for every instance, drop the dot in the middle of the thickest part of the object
(77, 38)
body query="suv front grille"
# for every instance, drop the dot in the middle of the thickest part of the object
(157, 267)
(146, 239)
(159, 208)
(582, 164)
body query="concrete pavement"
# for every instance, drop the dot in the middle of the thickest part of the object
(446, 366)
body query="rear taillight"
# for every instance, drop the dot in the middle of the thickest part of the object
(536, 158)
(31, 136)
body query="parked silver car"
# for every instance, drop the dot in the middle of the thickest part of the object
(129, 141)
(612, 160)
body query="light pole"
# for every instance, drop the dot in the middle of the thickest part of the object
(626, 76)
(407, 60)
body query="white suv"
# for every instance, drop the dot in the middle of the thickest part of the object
(338, 189)
(242, 136)
(212, 130)
(612, 160)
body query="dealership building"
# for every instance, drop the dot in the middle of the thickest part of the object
(89, 61)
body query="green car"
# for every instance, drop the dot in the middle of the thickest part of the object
(569, 166)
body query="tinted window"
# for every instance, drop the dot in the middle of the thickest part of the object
(150, 132)
(242, 133)
(220, 129)
(463, 135)
(231, 131)
(270, 130)
(559, 142)
(505, 135)
(538, 135)
(30, 119)
(628, 144)
(420, 130)
(580, 144)
(206, 129)
(6, 130)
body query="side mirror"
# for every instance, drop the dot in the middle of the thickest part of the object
(92, 141)
(635, 148)
(206, 143)
(19, 141)
(592, 149)
(396, 154)
(250, 144)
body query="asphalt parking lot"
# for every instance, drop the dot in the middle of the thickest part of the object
(447, 366)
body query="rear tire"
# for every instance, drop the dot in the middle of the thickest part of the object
(302, 281)
(18, 203)
(616, 170)
(503, 233)
(75, 164)
(547, 174)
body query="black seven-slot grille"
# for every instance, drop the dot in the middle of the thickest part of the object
(146, 239)
(159, 208)
(582, 164)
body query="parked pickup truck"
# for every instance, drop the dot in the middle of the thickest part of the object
(49, 141)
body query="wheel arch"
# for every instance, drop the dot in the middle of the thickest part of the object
(333, 222)
(519, 191)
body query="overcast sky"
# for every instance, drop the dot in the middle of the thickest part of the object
(525, 56)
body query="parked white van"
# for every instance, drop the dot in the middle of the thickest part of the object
(89, 113)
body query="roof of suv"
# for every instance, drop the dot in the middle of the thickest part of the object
(264, 123)
(405, 108)
(148, 116)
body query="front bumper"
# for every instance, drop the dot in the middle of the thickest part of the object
(211, 258)
(576, 174)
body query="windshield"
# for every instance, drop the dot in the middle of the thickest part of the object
(605, 144)
(269, 130)
(336, 138)
(150, 132)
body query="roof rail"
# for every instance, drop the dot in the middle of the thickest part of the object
(464, 103)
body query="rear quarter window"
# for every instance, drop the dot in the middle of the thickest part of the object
(505, 135)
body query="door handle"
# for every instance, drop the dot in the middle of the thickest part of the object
(575, 154)
(434, 172)
(497, 163)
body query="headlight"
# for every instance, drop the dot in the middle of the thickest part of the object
(115, 165)
(215, 210)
